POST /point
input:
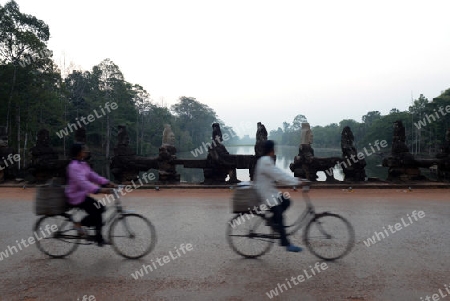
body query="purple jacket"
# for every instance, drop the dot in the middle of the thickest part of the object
(82, 181)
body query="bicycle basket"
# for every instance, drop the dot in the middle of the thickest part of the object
(244, 199)
(50, 199)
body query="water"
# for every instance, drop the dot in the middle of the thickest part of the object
(285, 156)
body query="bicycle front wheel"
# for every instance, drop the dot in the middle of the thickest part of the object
(132, 235)
(249, 236)
(329, 236)
(55, 236)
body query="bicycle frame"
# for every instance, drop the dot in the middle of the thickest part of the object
(308, 219)
(118, 225)
(306, 215)
(117, 211)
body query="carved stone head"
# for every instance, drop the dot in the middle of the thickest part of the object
(3, 137)
(217, 133)
(43, 138)
(168, 135)
(122, 136)
(306, 135)
(261, 132)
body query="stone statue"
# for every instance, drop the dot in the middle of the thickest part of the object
(398, 140)
(445, 148)
(217, 133)
(45, 163)
(3, 137)
(80, 135)
(305, 164)
(123, 141)
(125, 164)
(42, 150)
(447, 137)
(217, 149)
(306, 139)
(353, 171)
(401, 163)
(222, 163)
(166, 158)
(306, 135)
(7, 170)
(347, 139)
(122, 136)
(444, 158)
(168, 136)
(261, 132)
(261, 137)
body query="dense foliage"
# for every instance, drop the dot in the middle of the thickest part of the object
(426, 123)
(34, 95)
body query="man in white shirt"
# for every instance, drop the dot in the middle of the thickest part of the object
(266, 174)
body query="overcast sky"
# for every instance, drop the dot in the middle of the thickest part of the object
(262, 60)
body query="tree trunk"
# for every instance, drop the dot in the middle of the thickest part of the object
(8, 114)
(25, 143)
(18, 130)
(108, 134)
(137, 133)
(25, 150)
(65, 122)
(142, 134)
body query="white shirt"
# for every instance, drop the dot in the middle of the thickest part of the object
(266, 173)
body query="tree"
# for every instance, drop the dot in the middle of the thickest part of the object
(418, 105)
(109, 79)
(297, 123)
(143, 103)
(370, 117)
(417, 109)
(22, 37)
(276, 135)
(196, 118)
(328, 136)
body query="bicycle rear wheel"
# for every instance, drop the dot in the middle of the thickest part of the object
(249, 236)
(329, 236)
(56, 242)
(132, 235)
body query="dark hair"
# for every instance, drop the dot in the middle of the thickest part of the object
(269, 146)
(76, 149)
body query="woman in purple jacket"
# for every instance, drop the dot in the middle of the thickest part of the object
(81, 182)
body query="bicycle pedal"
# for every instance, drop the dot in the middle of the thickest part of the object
(82, 232)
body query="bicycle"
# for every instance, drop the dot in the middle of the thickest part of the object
(324, 232)
(130, 234)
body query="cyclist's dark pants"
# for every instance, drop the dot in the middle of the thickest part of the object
(94, 212)
(278, 219)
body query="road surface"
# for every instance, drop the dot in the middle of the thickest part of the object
(411, 263)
